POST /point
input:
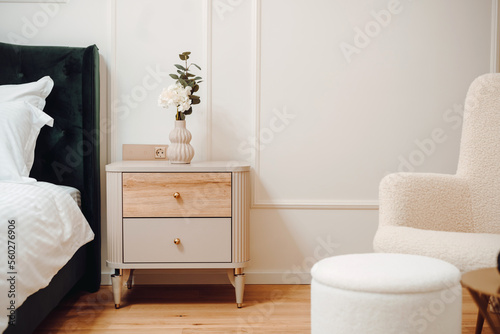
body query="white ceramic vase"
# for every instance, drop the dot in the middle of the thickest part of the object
(180, 151)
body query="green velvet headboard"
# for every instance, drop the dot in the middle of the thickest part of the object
(68, 153)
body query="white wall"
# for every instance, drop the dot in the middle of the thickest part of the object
(340, 93)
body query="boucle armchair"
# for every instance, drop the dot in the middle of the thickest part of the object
(455, 218)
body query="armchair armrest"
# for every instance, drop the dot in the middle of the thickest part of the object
(427, 201)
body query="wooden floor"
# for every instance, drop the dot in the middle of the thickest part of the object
(198, 309)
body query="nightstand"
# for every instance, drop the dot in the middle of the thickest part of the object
(176, 216)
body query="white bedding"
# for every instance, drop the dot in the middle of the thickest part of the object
(73, 192)
(48, 228)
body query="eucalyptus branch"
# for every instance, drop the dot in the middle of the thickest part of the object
(190, 84)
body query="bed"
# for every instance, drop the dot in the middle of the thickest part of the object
(66, 154)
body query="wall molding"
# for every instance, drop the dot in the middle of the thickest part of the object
(257, 203)
(495, 34)
(112, 88)
(256, 93)
(112, 119)
(207, 48)
(314, 205)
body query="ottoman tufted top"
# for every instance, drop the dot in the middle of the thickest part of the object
(386, 273)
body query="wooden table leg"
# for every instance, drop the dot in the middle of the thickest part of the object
(479, 322)
(482, 303)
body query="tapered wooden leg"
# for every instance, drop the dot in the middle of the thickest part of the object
(481, 301)
(479, 322)
(239, 285)
(116, 281)
(237, 278)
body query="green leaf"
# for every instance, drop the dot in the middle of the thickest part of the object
(191, 83)
(180, 67)
(179, 116)
(189, 111)
(183, 77)
(195, 88)
(196, 66)
(197, 78)
(195, 99)
(180, 72)
(190, 75)
(174, 76)
(183, 83)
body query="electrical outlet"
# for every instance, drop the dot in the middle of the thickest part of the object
(160, 152)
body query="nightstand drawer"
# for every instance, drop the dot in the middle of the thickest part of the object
(148, 240)
(176, 194)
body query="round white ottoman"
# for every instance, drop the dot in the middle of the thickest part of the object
(385, 294)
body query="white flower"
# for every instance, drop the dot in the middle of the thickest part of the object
(175, 96)
(184, 106)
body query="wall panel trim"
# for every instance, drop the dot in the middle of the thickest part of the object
(495, 47)
(112, 119)
(207, 47)
(207, 87)
(304, 204)
(256, 84)
(311, 205)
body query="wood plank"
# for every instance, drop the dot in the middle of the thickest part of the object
(185, 309)
(200, 194)
(194, 309)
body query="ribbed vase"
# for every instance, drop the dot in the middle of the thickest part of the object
(180, 151)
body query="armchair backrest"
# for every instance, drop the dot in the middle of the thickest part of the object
(479, 161)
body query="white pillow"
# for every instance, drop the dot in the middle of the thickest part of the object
(20, 124)
(33, 92)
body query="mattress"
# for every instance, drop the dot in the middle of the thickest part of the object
(45, 228)
(74, 193)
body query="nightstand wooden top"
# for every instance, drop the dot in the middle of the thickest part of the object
(165, 166)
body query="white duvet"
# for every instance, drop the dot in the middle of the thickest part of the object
(41, 227)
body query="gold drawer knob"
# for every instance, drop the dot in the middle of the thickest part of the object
(177, 195)
(177, 241)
